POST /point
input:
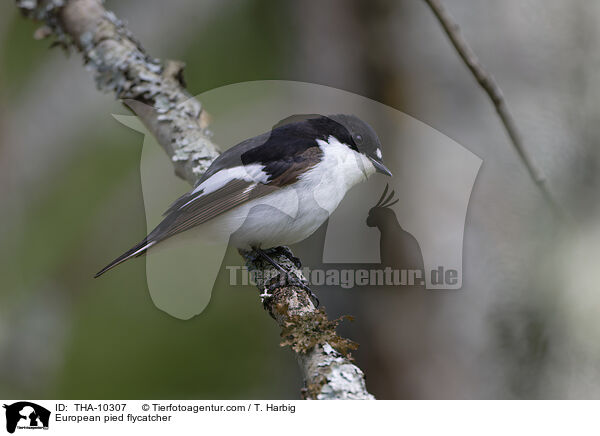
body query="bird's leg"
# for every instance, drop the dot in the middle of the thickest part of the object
(288, 253)
(290, 277)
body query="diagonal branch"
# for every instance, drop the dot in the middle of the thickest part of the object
(489, 85)
(156, 93)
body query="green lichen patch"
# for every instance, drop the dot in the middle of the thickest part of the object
(303, 332)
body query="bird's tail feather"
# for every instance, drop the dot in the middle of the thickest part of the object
(138, 250)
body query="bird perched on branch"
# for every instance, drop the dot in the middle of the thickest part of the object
(274, 189)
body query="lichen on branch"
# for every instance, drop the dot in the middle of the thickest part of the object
(304, 332)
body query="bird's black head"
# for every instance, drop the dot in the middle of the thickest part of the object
(347, 129)
(356, 134)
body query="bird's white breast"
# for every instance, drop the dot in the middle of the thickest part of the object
(340, 169)
(293, 213)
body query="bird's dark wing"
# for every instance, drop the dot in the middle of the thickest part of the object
(281, 167)
(287, 149)
(198, 210)
(207, 206)
(198, 207)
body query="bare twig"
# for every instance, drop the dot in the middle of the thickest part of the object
(156, 93)
(489, 85)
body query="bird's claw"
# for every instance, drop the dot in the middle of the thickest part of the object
(285, 276)
(288, 280)
(285, 251)
(265, 296)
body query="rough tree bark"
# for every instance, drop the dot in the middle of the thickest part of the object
(156, 93)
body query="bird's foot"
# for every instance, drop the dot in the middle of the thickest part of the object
(312, 295)
(290, 279)
(285, 251)
(265, 296)
(285, 276)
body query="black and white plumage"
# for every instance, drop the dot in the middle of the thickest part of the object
(274, 189)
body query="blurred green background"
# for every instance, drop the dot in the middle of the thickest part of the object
(116, 344)
(524, 325)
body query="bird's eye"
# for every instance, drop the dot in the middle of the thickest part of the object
(358, 138)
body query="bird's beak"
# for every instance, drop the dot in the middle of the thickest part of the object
(380, 168)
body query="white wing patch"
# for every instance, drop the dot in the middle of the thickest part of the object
(250, 173)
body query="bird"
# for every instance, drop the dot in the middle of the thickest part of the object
(275, 189)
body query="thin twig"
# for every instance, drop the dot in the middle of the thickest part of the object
(489, 85)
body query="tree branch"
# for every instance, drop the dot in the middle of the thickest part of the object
(489, 85)
(156, 93)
